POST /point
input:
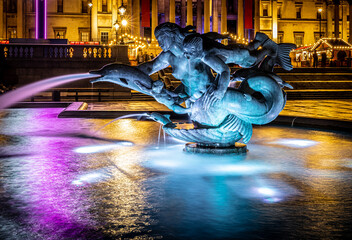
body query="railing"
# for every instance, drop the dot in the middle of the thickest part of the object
(59, 51)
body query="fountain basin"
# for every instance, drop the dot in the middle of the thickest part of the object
(51, 189)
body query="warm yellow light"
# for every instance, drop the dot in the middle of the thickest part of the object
(122, 9)
(90, 4)
(320, 10)
(117, 26)
(124, 22)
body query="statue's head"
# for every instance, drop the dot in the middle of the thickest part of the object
(193, 46)
(170, 35)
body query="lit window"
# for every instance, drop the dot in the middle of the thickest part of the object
(33, 6)
(279, 12)
(298, 12)
(84, 6)
(85, 36)
(104, 6)
(316, 36)
(12, 33)
(318, 15)
(299, 38)
(60, 6)
(11, 6)
(60, 33)
(280, 37)
(104, 37)
(265, 10)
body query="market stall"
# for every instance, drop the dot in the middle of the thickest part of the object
(333, 52)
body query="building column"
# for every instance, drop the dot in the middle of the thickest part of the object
(199, 16)
(329, 21)
(344, 22)
(256, 16)
(350, 25)
(109, 2)
(240, 22)
(206, 16)
(223, 16)
(167, 10)
(172, 11)
(2, 24)
(114, 11)
(274, 25)
(20, 19)
(183, 13)
(189, 12)
(136, 16)
(94, 20)
(337, 18)
(215, 16)
(154, 16)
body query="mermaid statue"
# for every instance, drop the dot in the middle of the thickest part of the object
(221, 114)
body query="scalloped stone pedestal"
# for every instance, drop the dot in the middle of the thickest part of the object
(238, 148)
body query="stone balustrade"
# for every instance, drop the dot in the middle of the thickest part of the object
(64, 51)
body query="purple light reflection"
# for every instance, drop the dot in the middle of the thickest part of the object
(42, 182)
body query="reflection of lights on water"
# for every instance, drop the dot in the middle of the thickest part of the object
(177, 140)
(269, 195)
(101, 148)
(272, 200)
(239, 168)
(170, 164)
(88, 178)
(297, 143)
(266, 191)
(92, 177)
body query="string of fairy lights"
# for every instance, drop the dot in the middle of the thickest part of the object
(135, 41)
(345, 46)
(143, 42)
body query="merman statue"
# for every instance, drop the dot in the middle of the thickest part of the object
(222, 115)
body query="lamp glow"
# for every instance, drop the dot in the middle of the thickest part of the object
(122, 9)
(124, 22)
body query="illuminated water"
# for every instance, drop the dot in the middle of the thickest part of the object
(60, 180)
(14, 96)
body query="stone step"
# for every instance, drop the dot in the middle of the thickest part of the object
(319, 94)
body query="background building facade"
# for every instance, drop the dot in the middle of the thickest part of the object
(301, 22)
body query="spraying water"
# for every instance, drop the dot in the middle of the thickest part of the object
(24, 92)
(91, 96)
(122, 117)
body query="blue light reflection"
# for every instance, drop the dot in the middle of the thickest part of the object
(295, 143)
(101, 148)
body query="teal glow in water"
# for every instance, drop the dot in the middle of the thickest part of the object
(276, 191)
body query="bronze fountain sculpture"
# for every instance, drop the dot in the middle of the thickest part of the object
(222, 115)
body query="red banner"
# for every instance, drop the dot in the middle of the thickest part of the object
(248, 14)
(145, 13)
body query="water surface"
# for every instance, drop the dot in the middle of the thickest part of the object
(59, 179)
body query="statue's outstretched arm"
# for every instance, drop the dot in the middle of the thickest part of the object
(157, 64)
(217, 92)
(163, 96)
